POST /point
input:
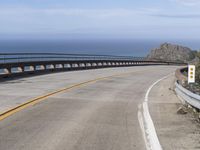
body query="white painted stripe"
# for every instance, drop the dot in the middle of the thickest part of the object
(146, 122)
(141, 121)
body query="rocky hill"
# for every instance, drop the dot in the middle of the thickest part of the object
(170, 52)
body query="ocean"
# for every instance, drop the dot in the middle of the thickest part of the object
(137, 48)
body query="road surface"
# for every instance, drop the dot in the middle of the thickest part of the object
(100, 115)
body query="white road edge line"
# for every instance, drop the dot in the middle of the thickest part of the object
(146, 122)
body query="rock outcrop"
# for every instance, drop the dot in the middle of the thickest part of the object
(170, 52)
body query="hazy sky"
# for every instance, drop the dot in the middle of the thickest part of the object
(101, 18)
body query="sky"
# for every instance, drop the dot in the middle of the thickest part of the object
(153, 19)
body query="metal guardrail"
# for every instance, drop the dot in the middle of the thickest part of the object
(30, 57)
(15, 64)
(187, 96)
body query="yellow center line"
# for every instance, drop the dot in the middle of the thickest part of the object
(36, 100)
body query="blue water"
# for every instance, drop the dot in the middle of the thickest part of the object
(107, 47)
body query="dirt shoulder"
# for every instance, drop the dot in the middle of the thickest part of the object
(175, 131)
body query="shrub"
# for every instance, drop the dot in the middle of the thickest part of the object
(197, 53)
(198, 73)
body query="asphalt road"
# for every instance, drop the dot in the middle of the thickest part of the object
(101, 115)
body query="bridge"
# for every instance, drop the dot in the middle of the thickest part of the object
(13, 64)
(102, 109)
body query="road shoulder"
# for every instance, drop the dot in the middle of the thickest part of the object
(175, 131)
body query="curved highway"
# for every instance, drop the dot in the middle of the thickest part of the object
(98, 115)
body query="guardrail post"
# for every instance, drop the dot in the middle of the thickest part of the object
(94, 65)
(42, 67)
(32, 68)
(67, 66)
(84, 65)
(104, 64)
(99, 64)
(81, 65)
(59, 66)
(20, 69)
(7, 71)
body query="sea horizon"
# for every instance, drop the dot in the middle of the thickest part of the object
(121, 47)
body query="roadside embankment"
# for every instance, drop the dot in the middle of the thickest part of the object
(188, 94)
(175, 131)
(180, 75)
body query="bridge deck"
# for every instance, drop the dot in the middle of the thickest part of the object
(100, 115)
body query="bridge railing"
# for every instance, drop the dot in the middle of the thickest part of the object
(30, 57)
(14, 64)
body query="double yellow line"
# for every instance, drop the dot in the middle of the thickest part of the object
(44, 97)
